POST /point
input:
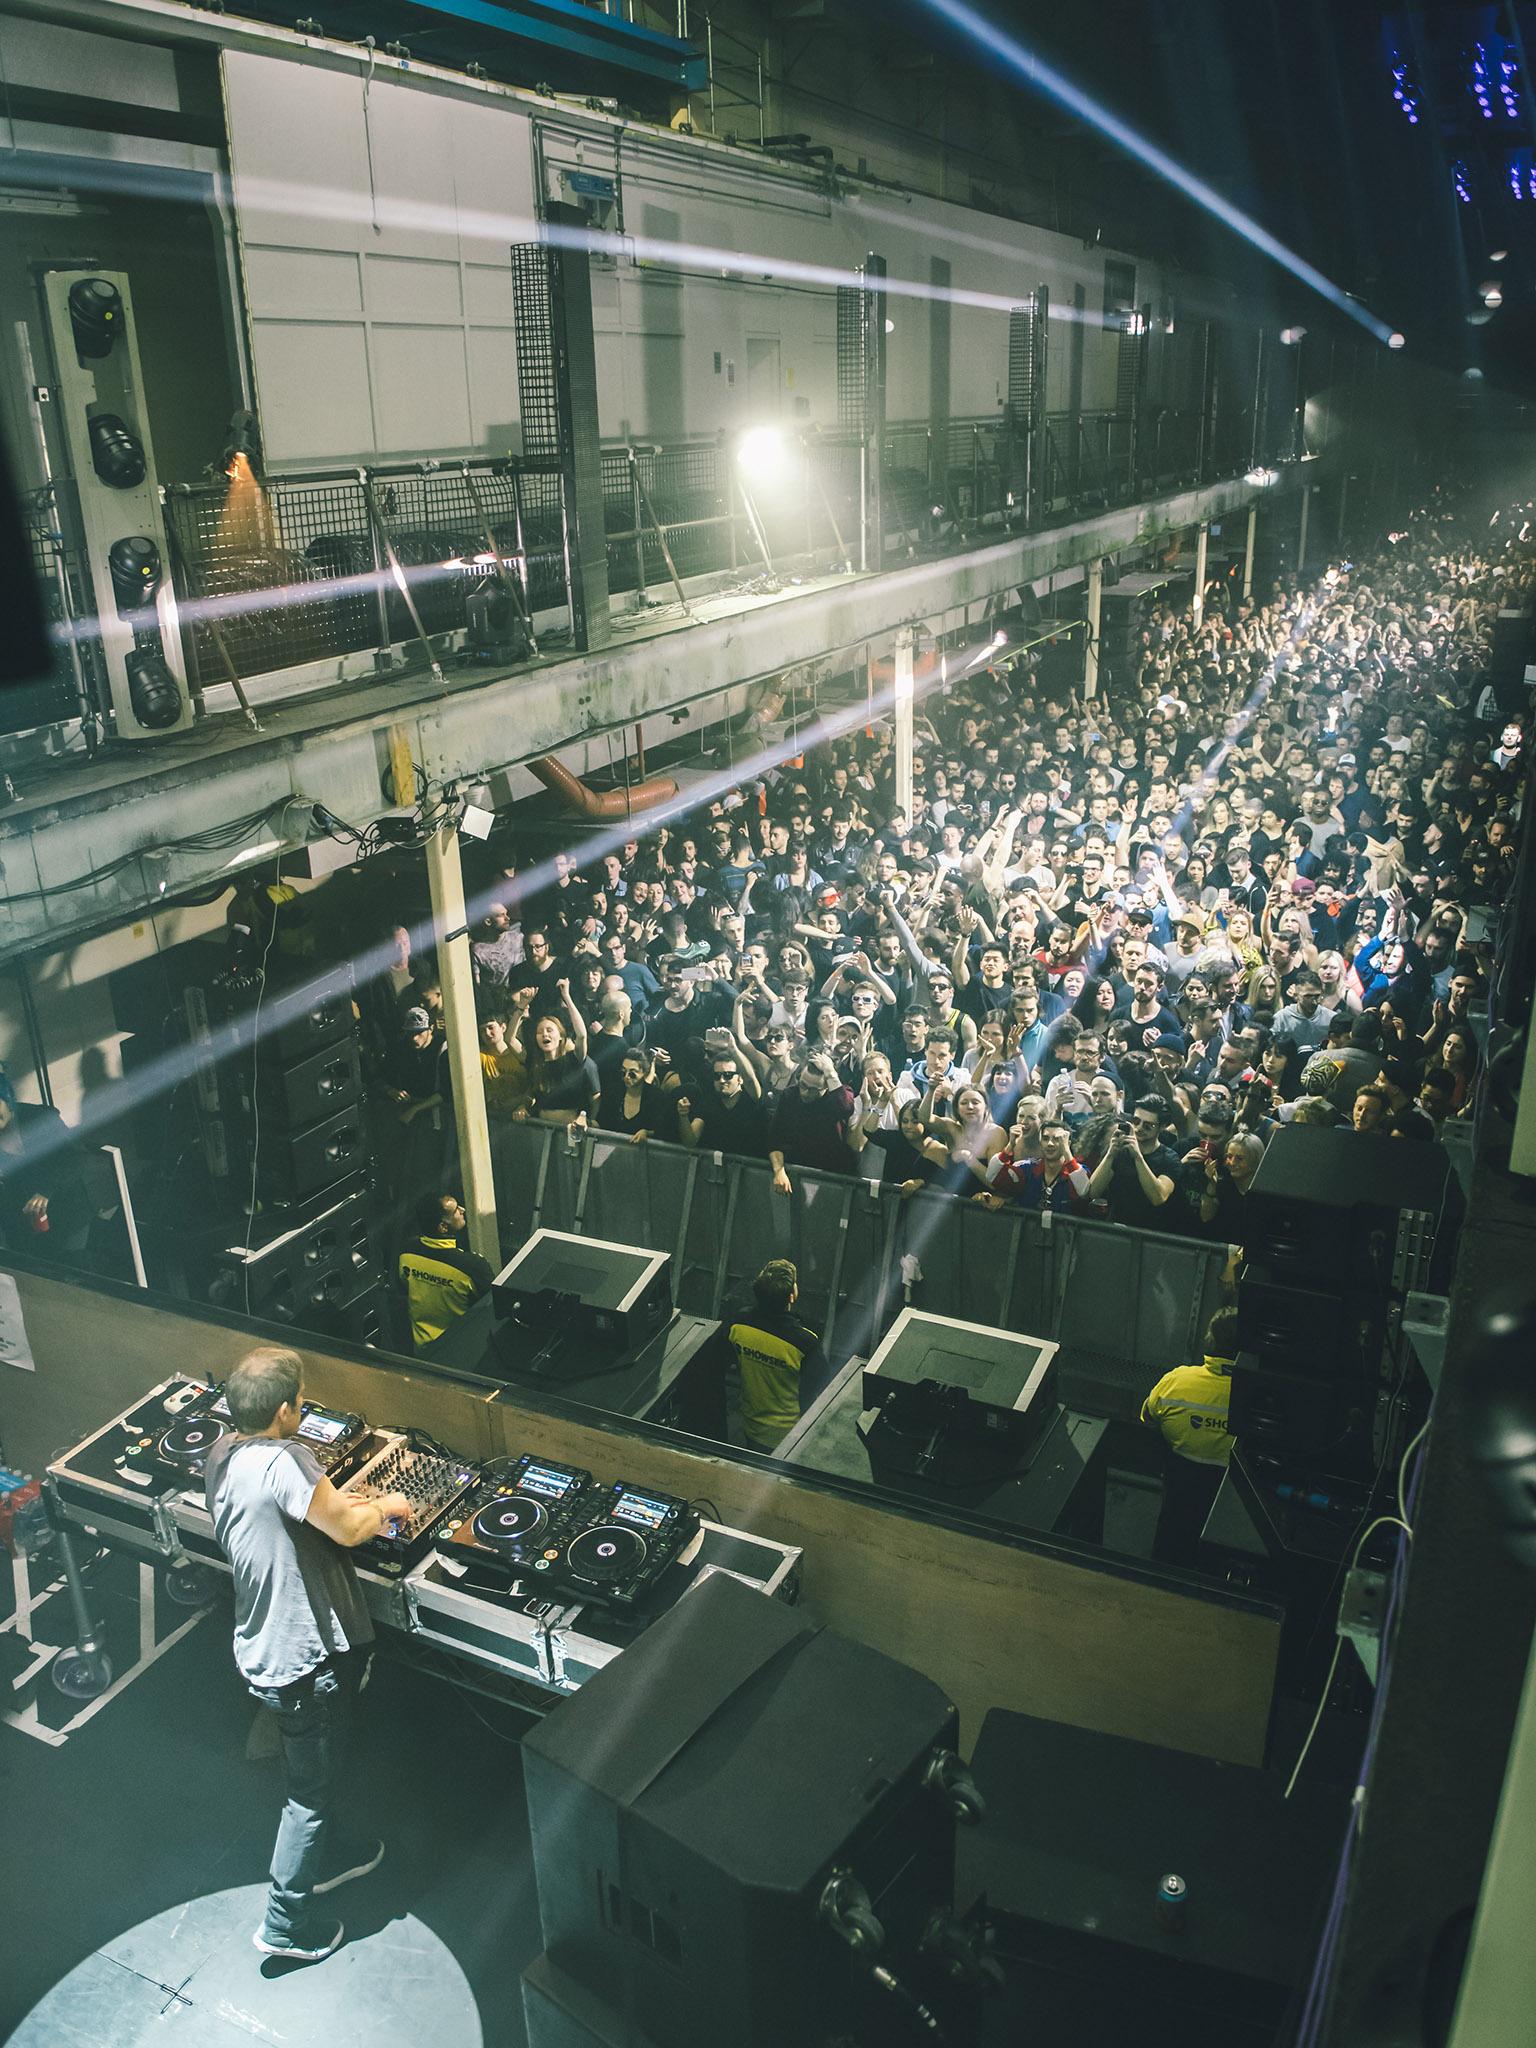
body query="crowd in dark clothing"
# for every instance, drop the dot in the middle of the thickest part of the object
(1115, 944)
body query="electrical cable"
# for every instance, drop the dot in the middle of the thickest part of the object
(1402, 1470)
(261, 990)
(1380, 1522)
(216, 839)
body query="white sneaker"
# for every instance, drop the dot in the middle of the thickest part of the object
(294, 1952)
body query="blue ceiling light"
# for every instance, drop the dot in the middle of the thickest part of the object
(1460, 181)
(1404, 91)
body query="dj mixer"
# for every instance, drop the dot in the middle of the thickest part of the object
(431, 1483)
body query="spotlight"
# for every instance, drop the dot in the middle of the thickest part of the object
(760, 454)
(242, 451)
(1395, 340)
(152, 689)
(96, 315)
(1480, 318)
(890, 326)
(1473, 374)
(134, 566)
(1292, 337)
(1490, 294)
(1497, 255)
(117, 454)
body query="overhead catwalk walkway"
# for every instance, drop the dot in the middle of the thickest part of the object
(88, 843)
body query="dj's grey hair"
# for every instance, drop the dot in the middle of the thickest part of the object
(261, 1383)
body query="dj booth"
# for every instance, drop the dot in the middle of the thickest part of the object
(532, 1569)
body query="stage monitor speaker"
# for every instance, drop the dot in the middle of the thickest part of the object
(689, 1805)
(306, 1090)
(1324, 1425)
(1310, 1330)
(619, 1295)
(1324, 1206)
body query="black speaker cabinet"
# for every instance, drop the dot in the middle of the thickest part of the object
(296, 1022)
(559, 2012)
(296, 1164)
(689, 1805)
(1323, 1425)
(307, 1090)
(311, 1271)
(1324, 1205)
(1308, 1329)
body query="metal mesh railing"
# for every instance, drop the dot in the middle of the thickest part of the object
(1128, 1303)
(286, 573)
(295, 572)
(533, 314)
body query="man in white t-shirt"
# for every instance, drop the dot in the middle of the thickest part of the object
(302, 1632)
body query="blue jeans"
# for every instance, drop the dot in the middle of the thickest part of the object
(315, 1714)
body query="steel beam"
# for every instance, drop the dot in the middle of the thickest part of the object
(332, 748)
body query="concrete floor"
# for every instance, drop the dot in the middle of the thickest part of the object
(136, 1855)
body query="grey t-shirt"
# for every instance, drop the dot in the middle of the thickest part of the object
(297, 1600)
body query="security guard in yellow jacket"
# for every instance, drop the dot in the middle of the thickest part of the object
(779, 1357)
(1189, 1407)
(441, 1279)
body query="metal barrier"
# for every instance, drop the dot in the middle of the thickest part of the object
(1127, 1304)
(306, 568)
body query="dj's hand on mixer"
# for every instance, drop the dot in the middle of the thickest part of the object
(421, 1486)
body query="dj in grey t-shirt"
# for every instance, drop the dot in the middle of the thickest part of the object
(297, 1600)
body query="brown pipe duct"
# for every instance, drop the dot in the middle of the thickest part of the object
(924, 667)
(610, 803)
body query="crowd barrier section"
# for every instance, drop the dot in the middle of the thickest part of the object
(994, 1617)
(1126, 1304)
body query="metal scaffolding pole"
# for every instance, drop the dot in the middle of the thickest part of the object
(1091, 643)
(903, 695)
(445, 877)
(1253, 522)
(1202, 541)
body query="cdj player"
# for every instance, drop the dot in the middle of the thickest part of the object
(177, 1454)
(494, 1537)
(625, 1543)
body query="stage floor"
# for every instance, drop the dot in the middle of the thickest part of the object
(135, 1862)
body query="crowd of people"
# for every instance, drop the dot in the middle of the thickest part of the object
(1112, 947)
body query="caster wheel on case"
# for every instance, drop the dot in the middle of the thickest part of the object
(82, 1674)
(189, 1585)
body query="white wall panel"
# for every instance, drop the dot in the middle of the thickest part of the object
(413, 288)
(421, 389)
(488, 292)
(493, 421)
(428, 230)
(452, 189)
(316, 282)
(321, 370)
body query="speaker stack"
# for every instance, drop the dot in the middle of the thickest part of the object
(743, 1832)
(1338, 1227)
(1507, 659)
(311, 1255)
